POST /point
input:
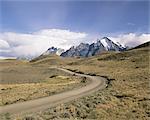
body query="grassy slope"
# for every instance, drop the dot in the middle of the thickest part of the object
(52, 60)
(22, 81)
(127, 94)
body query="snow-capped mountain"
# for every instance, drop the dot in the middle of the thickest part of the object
(86, 50)
(53, 50)
(110, 45)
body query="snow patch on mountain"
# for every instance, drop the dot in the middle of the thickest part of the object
(53, 50)
(105, 44)
(86, 50)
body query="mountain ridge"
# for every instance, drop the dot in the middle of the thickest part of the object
(87, 50)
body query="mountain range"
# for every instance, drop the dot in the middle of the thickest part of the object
(87, 50)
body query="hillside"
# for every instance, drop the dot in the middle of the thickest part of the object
(127, 93)
(22, 81)
(52, 60)
(147, 44)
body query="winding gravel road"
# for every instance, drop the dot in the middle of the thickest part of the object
(96, 83)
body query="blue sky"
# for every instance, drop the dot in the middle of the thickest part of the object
(98, 17)
(30, 27)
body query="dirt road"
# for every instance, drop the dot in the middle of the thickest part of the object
(51, 101)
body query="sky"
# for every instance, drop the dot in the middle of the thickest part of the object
(28, 28)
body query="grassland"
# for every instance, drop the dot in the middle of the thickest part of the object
(21, 81)
(125, 98)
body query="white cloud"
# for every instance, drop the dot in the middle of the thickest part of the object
(3, 44)
(34, 44)
(18, 44)
(131, 39)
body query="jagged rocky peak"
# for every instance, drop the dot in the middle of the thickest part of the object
(111, 45)
(81, 50)
(106, 38)
(52, 51)
(82, 46)
(69, 53)
(86, 50)
(72, 48)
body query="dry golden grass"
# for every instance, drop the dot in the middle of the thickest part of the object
(21, 81)
(127, 95)
(125, 98)
(52, 60)
(12, 93)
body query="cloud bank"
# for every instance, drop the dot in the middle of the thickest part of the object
(33, 44)
(131, 39)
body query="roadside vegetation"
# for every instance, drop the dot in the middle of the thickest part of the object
(127, 93)
(21, 81)
(126, 96)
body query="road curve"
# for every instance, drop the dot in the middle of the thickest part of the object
(51, 101)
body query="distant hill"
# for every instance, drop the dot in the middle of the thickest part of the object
(105, 56)
(104, 45)
(52, 54)
(147, 44)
